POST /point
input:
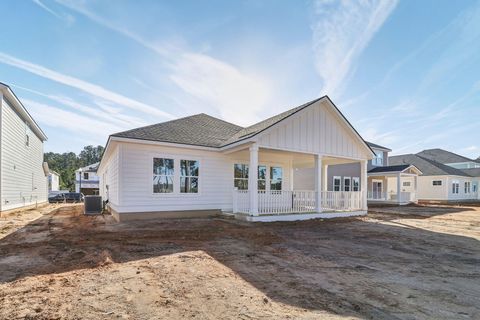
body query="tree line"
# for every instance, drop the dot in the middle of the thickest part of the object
(66, 163)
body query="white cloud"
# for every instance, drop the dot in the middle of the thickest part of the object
(341, 31)
(62, 16)
(203, 80)
(93, 89)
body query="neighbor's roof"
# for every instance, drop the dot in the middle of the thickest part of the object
(21, 110)
(396, 168)
(474, 172)
(90, 168)
(207, 131)
(376, 146)
(443, 156)
(427, 166)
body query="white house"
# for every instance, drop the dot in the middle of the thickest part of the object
(53, 181)
(23, 180)
(446, 176)
(87, 180)
(201, 165)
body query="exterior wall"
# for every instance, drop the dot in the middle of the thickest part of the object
(343, 170)
(427, 191)
(53, 182)
(109, 179)
(318, 130)
(23, 181)
(461, 195)
(134, 186)
(92, 182)
(370, 166)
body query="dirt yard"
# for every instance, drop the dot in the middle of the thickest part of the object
(422, 263)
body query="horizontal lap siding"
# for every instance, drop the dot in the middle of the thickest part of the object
(23, 181)
(216, 180)
(315, 129)
(109, 176)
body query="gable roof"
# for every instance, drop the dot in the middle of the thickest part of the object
(90, 168)
(443, 156)
(207, 131)
(377, 146)
(473, 172)
(395, 168)
(427, 166)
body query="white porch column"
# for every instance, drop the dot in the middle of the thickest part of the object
(399, 187)
(318, 183)
(252, 179)
(364, 183)
(325, 177)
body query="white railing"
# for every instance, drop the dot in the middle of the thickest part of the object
(283, 202)
(405, 197)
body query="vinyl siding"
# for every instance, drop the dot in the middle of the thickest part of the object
(215, 178)
(316, 129)
(109, 176)
(23, 181)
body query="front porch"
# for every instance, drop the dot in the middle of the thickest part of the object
(293, 196)
(393, 185)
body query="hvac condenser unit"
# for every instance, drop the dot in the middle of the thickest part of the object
(93, 205)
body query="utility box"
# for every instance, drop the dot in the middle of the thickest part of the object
(92, 205)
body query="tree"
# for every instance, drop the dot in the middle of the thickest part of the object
(66, 163)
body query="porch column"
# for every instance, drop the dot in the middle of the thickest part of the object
(325, 177)
(415, 183)
(399, 187)
(364, 183)
(318, 183)
(252, 179)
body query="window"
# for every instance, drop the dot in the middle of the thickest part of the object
(163, 170)
(437, 182)
(455, 187)
(346, 184)
(85, 175)
(356, 183)
(378, 160)
(467, 186)
(188, 176)
(337, 183)
(407, 183)
(474, 188)
(262, 176)
(240, 176)
(276, 175)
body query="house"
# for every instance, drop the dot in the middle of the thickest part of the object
(446, 176)
(201, 165)
(87, 180)
(23, 180)
(53, 181)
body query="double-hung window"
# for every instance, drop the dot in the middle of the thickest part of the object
(346, 184)
(337, 183)
(356, 184)
(262, 177)
(240, 176)
(455, 187)
(189, 176)
(163, 172)
(467, 186)
(276, 176)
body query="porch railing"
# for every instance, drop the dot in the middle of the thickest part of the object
(303, 201)
(405, 197)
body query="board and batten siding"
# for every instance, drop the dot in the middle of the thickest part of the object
(23, 180)
(316, 129)
(215, 178)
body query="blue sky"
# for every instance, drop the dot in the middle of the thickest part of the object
(406, 74)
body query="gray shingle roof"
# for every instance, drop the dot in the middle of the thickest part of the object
(443, 156)
(427, 166)
(200, 129)
(474, 172)
(395, 168)
(374, 145)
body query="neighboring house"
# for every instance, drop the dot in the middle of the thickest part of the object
(87, 180)
(201, 165)
(53, 181)
(23, 178)
(446, 176)
(384, 181)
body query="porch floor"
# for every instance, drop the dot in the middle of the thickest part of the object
(297, 216)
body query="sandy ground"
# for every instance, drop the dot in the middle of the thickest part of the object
(421, 264)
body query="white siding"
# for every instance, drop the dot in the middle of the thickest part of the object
(427, 191)
(109, 176)
(461, 195)
(23, 181)
(315, 129)
(215, 178)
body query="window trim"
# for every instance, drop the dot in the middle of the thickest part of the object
(349, 184)
(467, 187)
(455, 187)
(437, 185)
(182, 176)
(269, 169)
(268, 165)
(339, 186)
(375, 161)
(353, 183)
(176, 176)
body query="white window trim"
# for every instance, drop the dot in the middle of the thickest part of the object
(176, 175)
(455, 190)
(333, 183)
(267, 176)
(353, 183)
